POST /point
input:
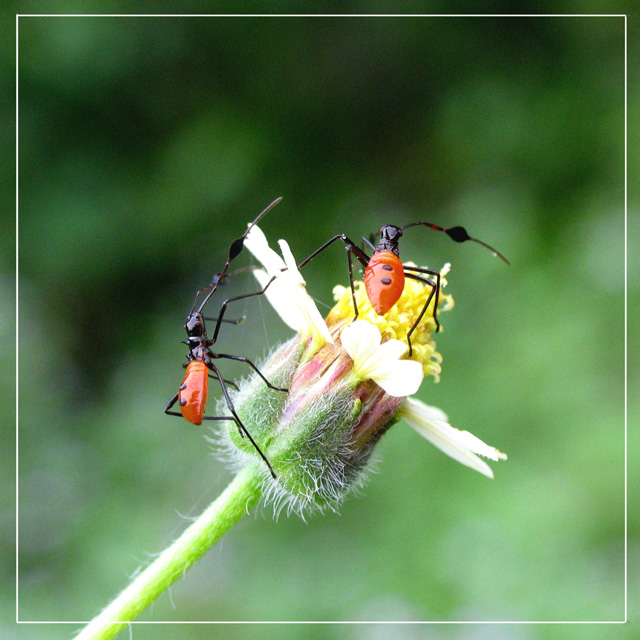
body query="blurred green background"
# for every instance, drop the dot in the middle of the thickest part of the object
(147, 144)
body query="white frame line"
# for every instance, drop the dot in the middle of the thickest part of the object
(351, 15)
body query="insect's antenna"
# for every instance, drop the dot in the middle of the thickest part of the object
(458, 234)
(234, 251)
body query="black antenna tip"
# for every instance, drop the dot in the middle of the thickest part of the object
(458, 234)
(235, 249)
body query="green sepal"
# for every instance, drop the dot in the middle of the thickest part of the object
(260, 407)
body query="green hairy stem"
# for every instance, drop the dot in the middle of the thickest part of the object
(235, 501)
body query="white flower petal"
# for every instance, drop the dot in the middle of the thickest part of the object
(280, 300)
(394, 349)
(287, 293)
(359, 338)
(460, 445)
(400, 378)
(381, 363)
(258, 245)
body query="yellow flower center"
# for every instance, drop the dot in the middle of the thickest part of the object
(397, 322)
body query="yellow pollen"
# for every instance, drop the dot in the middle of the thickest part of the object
(397, 322)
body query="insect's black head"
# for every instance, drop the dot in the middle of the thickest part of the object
(195, 326)
(389, 237)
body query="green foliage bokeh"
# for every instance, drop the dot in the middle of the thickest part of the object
(147, 144)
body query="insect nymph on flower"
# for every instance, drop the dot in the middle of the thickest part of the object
(200, 366)
(349, 381)
(385, 275)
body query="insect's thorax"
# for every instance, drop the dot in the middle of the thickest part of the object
(389, 238)
(200, 351)
(198, 340)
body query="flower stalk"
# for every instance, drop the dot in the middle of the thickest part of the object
(236, 500)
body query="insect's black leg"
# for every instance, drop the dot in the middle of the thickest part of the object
(352, 249)
(353, 287)
(435, 288)
(223, 307)
(351, 246)
(217, 280)
(170, 404)
(175, 413)
(430, 272)
(239, 423)
(239, 320)
(247, 361)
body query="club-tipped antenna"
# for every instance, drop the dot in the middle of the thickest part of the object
(458, 234)
(235, 249)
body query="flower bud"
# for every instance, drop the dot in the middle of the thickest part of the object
(319, 438)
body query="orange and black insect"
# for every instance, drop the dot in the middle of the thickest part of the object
(200, 365)
(385, 274)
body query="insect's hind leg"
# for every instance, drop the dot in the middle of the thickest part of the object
(435, 291)
(170, 404)
(243, 430)
(228, 356)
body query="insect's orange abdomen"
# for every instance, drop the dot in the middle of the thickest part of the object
(384, 280)
(193, 391)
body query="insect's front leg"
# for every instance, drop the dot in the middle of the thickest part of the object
(352, 249)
